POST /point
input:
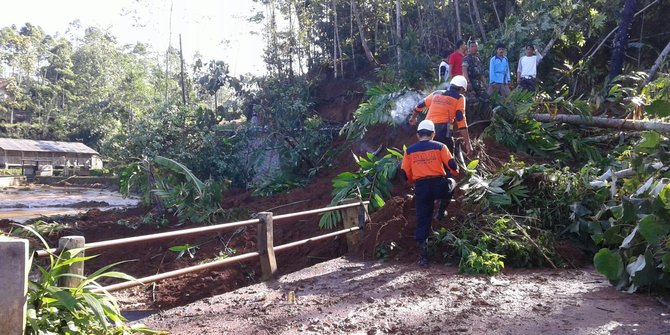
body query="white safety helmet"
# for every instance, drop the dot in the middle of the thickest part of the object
(459, 81)
(426, 125)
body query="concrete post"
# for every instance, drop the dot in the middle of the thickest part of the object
(14, 269)
(266, 245)
(69, 243)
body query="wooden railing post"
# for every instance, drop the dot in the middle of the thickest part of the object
(350, 219)
(69, 243)
(266, 245)
(14, 269)
(363, 215)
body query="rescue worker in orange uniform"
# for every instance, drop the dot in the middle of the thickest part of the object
(423, 164)
(447, 108)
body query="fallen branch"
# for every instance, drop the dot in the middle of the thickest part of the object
(602, 122)
(523, 231)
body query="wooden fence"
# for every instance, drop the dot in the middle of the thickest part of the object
(14, 251)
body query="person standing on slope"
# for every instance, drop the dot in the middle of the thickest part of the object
(477, 99)
(443, 69)
(456, 59)
(499, 75)
(527, 69)
(423, 164)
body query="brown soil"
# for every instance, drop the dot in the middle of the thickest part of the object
(351, 297)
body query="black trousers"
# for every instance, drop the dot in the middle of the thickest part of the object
(426, 192)
(528, 83)
(443, 134)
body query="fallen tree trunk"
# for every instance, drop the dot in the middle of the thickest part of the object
(602, 122)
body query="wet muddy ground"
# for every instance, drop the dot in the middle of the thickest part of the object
(345, 296)
(22, 203)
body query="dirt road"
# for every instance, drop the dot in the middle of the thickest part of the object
(350, 297)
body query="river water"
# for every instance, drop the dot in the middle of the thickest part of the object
(25, 202)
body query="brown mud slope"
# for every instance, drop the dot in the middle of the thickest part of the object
(349, 297)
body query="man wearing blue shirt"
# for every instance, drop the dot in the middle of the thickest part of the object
(499, 74)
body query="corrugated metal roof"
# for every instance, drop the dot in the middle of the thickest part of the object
(44, 146)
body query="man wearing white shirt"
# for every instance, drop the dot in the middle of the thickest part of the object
(527, 69)
(443, 69)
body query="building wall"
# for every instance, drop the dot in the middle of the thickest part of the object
(57, 159)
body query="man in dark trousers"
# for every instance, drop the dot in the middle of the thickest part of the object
(423, 164)
(526, 72)
(447, 110)
(477, 99)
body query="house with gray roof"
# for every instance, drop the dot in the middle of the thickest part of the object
(20, 153)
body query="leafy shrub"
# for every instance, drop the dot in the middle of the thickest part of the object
(474, 259)
(372, 182)
(503, 218)
(176, 186)
(41, 227)
(380, 100)
(53, 309)
(633, 226)
(281, 183)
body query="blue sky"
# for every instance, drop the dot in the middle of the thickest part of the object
(215, 29)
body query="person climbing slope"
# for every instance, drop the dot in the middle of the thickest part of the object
(447, 108)
(423, 164)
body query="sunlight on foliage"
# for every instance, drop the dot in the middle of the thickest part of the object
(372, 182)
(376, 109)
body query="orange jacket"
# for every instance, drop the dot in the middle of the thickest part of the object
(445, 107)
(426, 159)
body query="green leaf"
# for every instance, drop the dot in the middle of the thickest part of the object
(93, 301)
(64, 297)
(651, 228)
(609, 264)
(597, 238)
(666, 262)
(118, 275)
(629, 212)
(473, 164)
(99, 273)
(642, 270)
(664, 196)
(650, 139)
(658, 108)
(612, 236)
(617, 211)
(181, 169)
(178, 248)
